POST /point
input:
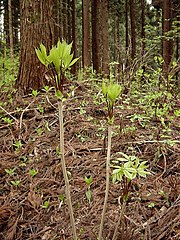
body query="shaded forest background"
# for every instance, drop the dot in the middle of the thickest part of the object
(133, 43)
(125, 36)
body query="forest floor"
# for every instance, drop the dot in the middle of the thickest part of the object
(32, 191)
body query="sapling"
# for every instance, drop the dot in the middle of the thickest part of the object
(129, 169)
(59, 61)
(111, 92)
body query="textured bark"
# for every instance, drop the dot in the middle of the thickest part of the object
(64, 18)
(105, 37)
(96, 35)
(6, 23)
(11, 30)
(15, 22)
(69, 21)
(167, 43)
(37, 26)
(133, 29)
(74, 33)
(86, 51)
(143, 27)
(127, 32)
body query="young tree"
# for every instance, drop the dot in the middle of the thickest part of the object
(37, 26)
(86, 51)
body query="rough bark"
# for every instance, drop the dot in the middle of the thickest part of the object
(127, 32)
(11, 30)
(64, 18)
(37, 26)
(167, 43)
(86, 51)
(133, 29)
(105, 37)
(74, 49)
(96, 35)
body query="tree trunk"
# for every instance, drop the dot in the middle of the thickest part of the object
(86, 54)
(143, 36)
(36, 27)
(64, 17)
(74, 33)
(133, 29)
(105, 37)
(69, 21)
(11, 31)
(96, 35)
(15, 23)
(167, 43)
(6, 23)
(127, 34)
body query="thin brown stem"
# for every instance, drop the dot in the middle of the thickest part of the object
(107, 181)
(119, 220)
(68, 196)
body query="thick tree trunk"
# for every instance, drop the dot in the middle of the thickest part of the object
(74, 49)
(143, 36)
(167, 43)
(15, 22)
(64, 14)
(86, 50)
(11, 30)
(105, 37)
(127, 33)
(96, 35)
(133, 29)
(6, 23)
(37, 26)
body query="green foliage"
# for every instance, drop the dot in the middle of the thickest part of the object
(15, 183)
(88, 181)
(33, 172)
(111, 92)
(130, 169)
(60, 59)
(8, 70)
(10, 171)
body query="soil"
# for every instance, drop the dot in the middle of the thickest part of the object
(152, 211)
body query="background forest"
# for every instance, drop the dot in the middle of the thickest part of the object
(120, 100)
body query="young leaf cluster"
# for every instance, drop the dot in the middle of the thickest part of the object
(131, 167)
(111, 92)
(60, 59)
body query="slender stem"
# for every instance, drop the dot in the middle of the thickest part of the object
(68, 196)
(119, 220)
(107, 180)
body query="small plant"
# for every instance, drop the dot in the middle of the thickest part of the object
(128, 169)
(33, 172)
(39, 131)
(35, 93)
(15, 183)
(17, 145)
(111, 92)
(7, 120)
(61, 199)
(88, 181)
(45, 204)
(10, 171)
(40, 108)
(151, 205)
(59, 60)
